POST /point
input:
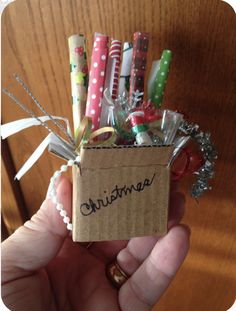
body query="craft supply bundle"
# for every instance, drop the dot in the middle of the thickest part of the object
(126, 146)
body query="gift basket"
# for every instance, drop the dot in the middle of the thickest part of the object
(126, 146)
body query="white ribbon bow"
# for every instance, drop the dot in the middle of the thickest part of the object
(52, 140)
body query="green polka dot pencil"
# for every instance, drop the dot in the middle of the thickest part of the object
(79, 78)
(161, 78)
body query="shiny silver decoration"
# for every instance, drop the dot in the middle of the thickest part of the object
(206, 172)
(122, 101)
(37, 103)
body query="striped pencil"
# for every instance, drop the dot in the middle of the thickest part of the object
(115, 53)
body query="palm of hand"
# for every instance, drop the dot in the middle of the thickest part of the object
(74, 280)
(42, 269)
(79, 281)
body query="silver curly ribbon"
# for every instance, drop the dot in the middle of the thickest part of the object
(206, 172)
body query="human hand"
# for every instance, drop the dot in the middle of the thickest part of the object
(42, 269)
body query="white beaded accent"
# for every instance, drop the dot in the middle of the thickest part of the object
(54, 199)
(63, 213)
(57, 174)
(64, 168)
(52, 180)
(70, 162)
(77, 159)
(59, 206)
(69, 226)
(66, 220)
(53, 192)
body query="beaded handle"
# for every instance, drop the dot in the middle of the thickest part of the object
(53, 191)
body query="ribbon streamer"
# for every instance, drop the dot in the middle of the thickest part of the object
(34, 157)
(58, 145)
(51, 138)
(14, 127)
(86, 136)
(37, 103)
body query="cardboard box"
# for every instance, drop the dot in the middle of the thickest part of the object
(121, 192)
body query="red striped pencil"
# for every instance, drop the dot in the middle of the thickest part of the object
(115, 53)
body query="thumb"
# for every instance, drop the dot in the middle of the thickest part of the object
(37, 242)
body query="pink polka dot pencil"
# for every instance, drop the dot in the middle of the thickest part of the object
(96, 79)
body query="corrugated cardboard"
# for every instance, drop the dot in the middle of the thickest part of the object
(121, 192)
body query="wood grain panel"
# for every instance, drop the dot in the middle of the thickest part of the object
(10, 213)
(202, 36)
(14, 212)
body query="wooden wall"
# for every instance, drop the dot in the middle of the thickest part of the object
(202, 83)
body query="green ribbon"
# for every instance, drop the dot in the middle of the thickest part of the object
(139, 128)
(161, 79)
